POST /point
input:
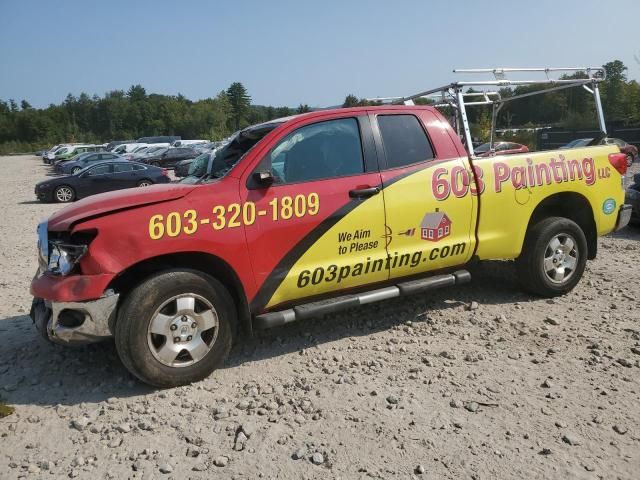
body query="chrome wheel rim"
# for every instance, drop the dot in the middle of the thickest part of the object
(144, 184)
(561, 258)
(64, 194)
(76, 169)
(183, 330)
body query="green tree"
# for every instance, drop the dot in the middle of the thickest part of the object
(613, 90)
(240, 101)
(350, 101)
(303, 108)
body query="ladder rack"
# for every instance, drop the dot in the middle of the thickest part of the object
(452, 95)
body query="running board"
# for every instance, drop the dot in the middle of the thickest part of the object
(315, 309)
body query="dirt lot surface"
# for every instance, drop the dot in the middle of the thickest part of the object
(478, 382)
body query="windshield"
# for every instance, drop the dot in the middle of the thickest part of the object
(226, 157)
(483, 148)
(199, 165)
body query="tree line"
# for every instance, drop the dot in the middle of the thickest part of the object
(134, 113)
(120, 115)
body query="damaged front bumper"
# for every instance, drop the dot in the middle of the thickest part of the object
(75, 323)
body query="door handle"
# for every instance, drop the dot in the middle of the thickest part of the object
(364, 192)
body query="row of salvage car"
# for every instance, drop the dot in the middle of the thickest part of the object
(81, 170)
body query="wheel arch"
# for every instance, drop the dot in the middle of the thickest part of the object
(206, 263)
(574, 206)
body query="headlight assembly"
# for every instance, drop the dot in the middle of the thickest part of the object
(63, 257)
(59, 255)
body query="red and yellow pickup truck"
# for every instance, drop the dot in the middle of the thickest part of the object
(306, 215)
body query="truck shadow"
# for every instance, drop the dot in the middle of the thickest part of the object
(493, 283)
(628, 233)
(35, 372)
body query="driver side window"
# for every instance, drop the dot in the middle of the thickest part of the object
(322, 150)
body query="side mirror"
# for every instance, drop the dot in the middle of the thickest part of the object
(264, 177)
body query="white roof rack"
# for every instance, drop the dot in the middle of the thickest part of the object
(452, 95)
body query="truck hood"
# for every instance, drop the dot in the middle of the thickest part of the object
(104, 203)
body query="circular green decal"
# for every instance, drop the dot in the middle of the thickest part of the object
(609, 206)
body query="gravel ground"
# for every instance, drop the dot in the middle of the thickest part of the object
(477, 382)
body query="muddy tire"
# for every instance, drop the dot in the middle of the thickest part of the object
(553, 258)
(175, 328)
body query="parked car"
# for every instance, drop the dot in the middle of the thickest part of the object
(83, 160)
(169, 157)
(501, 148)
(159, 139)
(183, 167)
(111, 145)
(50, 155)
(99, 178)
(126, 148)
(309, 215)
(631, 151)
(140, 147)
(69, 152)
(146, 151)
(632, 197)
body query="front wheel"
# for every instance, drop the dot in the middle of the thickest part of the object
(75, 170)
(145, 183)
(64, 194)
(553, 258)
(175, 328)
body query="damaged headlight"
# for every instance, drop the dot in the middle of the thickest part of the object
(60, 256)
(63, 257)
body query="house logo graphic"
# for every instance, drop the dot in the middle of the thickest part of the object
(435, 226)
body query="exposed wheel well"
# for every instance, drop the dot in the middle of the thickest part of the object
(573, 206)
(203, 262)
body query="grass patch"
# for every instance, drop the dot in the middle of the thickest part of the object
(5, 410)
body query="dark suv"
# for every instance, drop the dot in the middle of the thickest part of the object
(169, 157)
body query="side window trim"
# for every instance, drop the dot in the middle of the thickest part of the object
(382, 155)
(369, 155)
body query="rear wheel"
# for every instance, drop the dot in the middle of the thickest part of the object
(175, 328)
(75, 170)
(64, 194)
(145, 183)
(553, 257)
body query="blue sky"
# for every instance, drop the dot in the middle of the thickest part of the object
(292, 52)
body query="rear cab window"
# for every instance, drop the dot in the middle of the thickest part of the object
(404, 140)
